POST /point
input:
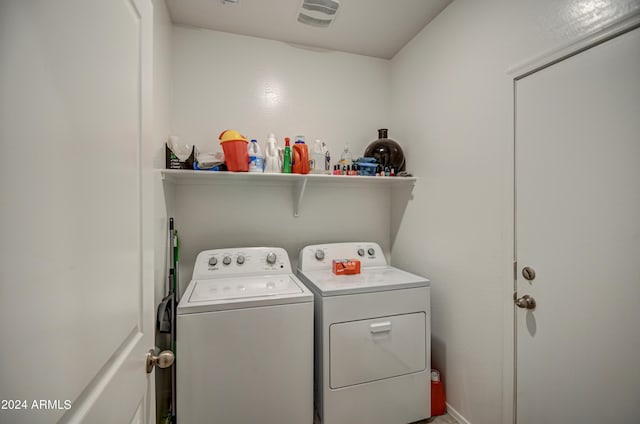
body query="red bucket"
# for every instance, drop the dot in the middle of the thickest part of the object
(236, 155)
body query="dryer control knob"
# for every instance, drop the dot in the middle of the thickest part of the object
(271, 258)
(360, 252)
(240, 260)
(213, 261)
(226, 260)
(371, 252)
(319, 254)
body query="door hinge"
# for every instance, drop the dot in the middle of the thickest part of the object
(515, 270)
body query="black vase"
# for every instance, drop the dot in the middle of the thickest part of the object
(386, 151)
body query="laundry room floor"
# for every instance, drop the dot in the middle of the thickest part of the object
(442, 419)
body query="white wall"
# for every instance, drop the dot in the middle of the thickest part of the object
(225, 81)
(256, 86)
(452, 110)
(236, 215)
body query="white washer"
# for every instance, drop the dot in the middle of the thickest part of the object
(245, 340)
(372, 337)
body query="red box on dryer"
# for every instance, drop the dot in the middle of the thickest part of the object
(346, 266)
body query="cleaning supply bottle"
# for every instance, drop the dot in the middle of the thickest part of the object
(256, 161)
(286, 160)
(318, 158)
(327, 159)
(300, 156)
(272, 163)
(345, 157)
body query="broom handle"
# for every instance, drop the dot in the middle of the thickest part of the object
(172, 285)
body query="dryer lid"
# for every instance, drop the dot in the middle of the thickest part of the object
(371, 279)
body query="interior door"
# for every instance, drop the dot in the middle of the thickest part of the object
(578, 232)
(76, 288)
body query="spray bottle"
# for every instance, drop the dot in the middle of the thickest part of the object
(286, 162)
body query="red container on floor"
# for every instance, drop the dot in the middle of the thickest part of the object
(236, 155)
(438, 406)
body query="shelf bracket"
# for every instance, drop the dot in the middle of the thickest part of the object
(298, 195)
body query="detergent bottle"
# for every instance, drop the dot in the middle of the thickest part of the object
(256, 161)
(272, 163)
(300, 156)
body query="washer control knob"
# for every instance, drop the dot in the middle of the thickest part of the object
(371, 252)
(271, 258)
(213, 261)
(319, 254)
(360, 252)
(226, 260)
(240, 260)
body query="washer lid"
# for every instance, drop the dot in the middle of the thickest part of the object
(242, 292)
(370, 279)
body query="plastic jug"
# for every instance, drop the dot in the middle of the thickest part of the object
(272, 163)
(300, 157)
(256, 161)
(316, 164)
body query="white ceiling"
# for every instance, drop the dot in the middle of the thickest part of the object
(378, 28)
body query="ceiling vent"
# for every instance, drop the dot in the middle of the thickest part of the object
(318, 13)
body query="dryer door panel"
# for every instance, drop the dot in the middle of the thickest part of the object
(375, 349)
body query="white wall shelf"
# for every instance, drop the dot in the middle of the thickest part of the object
(298, 182)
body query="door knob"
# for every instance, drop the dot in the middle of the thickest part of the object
(526, 302)
(163, 360)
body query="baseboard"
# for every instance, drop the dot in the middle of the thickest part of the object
(455, 414)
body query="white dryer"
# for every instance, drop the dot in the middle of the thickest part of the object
(372, 337)
(244, 341)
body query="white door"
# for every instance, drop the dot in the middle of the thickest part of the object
(578, 228)
(76, 287)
